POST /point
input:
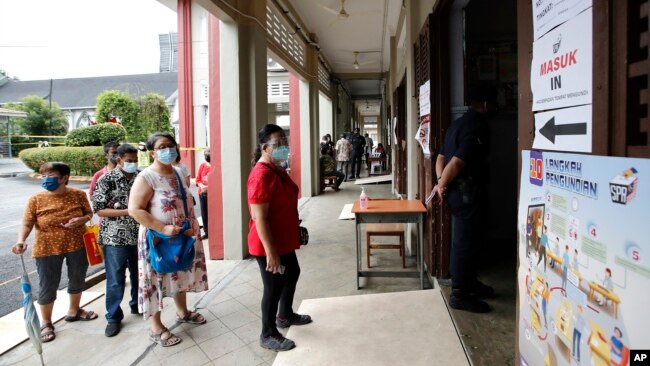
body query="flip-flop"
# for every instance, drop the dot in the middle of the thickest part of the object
(47, 333)
(90, 315)
(171, 340)
(191, 317)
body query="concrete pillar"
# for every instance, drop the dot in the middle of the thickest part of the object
(294, 130)
(215, 201)
(185, 94)
(243, 112)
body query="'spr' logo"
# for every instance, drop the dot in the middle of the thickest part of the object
(536, 168)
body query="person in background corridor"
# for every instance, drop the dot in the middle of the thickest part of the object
(462, 175)
(202, 182)
(358, 144)
(59, 214)
(343, 151)
(118, 235)
(328, 168)
(273, 236)
(110, 149)
(368, 149)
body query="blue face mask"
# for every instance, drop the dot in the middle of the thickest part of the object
(50, 183)
(280, 153)
(167, 156)
(130, 167)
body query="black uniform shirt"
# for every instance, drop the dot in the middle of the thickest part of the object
(467, 139)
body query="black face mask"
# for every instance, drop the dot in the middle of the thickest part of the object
(207, 157)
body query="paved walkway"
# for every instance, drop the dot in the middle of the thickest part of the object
(12, 167)
(231, 306)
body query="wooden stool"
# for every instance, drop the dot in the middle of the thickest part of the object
(385, 230)
(328, 181)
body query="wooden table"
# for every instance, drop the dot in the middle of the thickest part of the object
(609, 295)
(391, 211)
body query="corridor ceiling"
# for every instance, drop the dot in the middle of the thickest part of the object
(366, 30)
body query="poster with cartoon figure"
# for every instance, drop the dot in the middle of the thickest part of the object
(584, 259)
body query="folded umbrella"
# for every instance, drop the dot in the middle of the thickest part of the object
(32, 323)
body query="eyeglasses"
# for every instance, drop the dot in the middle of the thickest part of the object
(282, 142)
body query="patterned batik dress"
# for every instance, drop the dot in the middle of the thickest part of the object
(166, 205)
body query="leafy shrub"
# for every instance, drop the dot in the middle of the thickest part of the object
(96, 135)
(82, 160)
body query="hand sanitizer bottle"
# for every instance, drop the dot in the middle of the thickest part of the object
(363, 199)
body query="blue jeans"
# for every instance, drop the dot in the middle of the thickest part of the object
(575, 352)
(116, 260)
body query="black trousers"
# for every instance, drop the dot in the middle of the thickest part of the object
(203, 199)
(278, 290)
(467, 231)
(356, 164)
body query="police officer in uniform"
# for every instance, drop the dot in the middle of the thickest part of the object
(358, 145)
(461, 170)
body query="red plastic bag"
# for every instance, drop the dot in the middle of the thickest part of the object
(93, 249)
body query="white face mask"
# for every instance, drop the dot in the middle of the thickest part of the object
(130, 167)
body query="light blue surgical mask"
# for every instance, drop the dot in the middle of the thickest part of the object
(130, 167)
(50, 183)
(167, 156)
(280, 153)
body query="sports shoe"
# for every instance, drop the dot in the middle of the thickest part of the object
(468, 303)
(112, 329)
(295, 319)
(277, 343)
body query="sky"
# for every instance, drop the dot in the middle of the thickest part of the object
(56, 39)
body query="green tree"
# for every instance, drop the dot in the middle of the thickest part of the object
(153, 115)
(114, 103)
(41, 119)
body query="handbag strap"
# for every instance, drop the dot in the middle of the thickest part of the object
(183, 195)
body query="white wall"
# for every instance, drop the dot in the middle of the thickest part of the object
(325, 120)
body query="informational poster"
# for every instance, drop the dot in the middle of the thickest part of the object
(423, 133)
(567, 129)
(547, 14)
(584, 259)
(560, 75)
(425, 98)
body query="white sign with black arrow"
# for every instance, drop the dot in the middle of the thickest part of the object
(567, 129)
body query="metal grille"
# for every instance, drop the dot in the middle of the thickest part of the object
(323, 76)
(638, 123)
(283, 35)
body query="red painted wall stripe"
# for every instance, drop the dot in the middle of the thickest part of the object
(294, 128)
(215, 200)
(185, 95)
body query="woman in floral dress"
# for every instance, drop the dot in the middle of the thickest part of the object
(156, 203)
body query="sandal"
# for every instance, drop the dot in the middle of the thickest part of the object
(82, 315)
(191, 317)
(171, 339)
(47, 333)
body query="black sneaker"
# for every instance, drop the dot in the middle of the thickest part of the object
(135, 311)
(295, 319)
(468, 303)
(112, 329)
(277, 343)
(482, 290)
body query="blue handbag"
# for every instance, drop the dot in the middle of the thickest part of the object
(172, 253)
